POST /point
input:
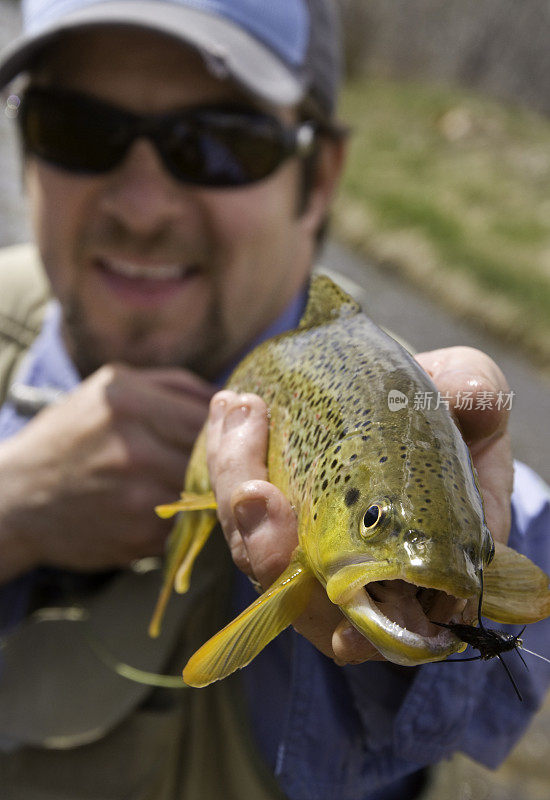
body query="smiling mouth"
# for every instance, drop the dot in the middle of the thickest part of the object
(398, 618)
(154, 273)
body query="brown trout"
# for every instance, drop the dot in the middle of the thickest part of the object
(390, 517)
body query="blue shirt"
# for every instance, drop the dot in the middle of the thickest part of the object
(358, 732)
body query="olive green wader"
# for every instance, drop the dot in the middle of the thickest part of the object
(85, 732)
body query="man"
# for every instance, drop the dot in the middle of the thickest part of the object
(180, 160)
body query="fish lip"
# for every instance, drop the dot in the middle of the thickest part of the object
(347, 587)
(396, 643)
(346, 576)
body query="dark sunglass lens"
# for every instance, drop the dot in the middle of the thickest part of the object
(221, 150)
(72, 133)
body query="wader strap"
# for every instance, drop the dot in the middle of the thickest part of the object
(24, 292)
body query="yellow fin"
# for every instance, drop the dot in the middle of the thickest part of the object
(326, 303)
(189, 502)
(205, 522)
(243, 638)
(514, 589)
(188, 537)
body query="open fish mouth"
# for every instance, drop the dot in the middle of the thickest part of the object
(398, 618)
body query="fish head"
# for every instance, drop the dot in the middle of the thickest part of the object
(399, 548)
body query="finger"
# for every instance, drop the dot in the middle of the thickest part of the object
(492, 459)
(476, 387)
(236, 452)
(457, 370)
(267, 525)
(216, 416)
(140, 453)
(174, 417)
(182, 381)
(351, 647)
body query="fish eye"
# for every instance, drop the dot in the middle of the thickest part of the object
(372, 517)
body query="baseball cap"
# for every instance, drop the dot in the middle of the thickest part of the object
(278, 50)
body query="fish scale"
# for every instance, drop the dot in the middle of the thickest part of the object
(383, 498)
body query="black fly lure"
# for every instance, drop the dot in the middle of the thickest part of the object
(490, 642)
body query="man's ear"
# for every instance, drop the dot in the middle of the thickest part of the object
(322, 183)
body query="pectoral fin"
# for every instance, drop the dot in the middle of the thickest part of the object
(514, 589)
(241, 641)
(189, 501)
(188, 537)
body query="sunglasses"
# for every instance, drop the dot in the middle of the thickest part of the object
(209, 146)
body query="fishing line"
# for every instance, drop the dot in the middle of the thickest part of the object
(538, 655)
(133, 673)
(490, 642)
(75, 614)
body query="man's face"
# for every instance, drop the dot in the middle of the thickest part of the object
(151, 271)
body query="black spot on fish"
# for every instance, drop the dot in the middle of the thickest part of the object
(384, 458)
(324, 485)
(352, 496)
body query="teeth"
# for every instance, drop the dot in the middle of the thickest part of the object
(160, 272)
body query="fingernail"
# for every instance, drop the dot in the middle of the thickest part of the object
(236, 416)
(217, 408)
(250, 514)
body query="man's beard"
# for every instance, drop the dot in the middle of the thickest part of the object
(90, 351)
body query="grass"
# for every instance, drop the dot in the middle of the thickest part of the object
(452, 189)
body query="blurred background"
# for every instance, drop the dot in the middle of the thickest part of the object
(450, 169)
(445, 208)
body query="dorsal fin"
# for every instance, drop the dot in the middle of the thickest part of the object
(326, 303)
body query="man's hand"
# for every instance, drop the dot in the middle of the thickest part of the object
(260, 525)
(456, 370)
(79, 483)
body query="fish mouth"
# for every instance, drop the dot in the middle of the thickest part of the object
(399, 618)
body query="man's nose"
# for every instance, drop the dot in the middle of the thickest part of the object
(140, 193)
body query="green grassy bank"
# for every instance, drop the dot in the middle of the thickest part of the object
(453, 190)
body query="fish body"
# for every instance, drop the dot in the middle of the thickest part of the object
(390, 516)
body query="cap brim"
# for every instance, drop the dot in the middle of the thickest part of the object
(228, 50)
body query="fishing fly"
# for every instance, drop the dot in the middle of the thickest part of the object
(490, 642)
